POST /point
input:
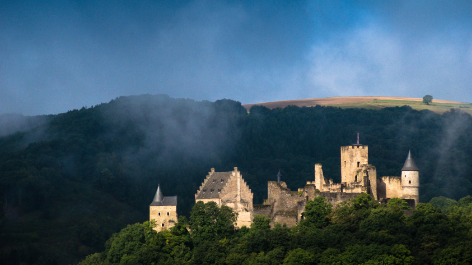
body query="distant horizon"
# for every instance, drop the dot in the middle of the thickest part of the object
(248, 105)
(57, 55)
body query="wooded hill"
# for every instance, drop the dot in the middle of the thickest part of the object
(72, 180)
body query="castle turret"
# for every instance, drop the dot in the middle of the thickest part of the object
(410, 180)
(163, 210)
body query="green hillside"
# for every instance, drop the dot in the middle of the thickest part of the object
(437, 106)
(69, 181)
(416, 105)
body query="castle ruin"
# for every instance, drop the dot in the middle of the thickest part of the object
(285, 206)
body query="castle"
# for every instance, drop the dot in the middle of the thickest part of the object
(285, 206)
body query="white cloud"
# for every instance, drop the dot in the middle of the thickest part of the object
(372, 61)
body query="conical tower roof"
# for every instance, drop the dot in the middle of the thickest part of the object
(158, 197)
(409, 163)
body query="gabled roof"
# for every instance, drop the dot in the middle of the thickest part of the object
(214, 185)
(409, 164)
(160, 200)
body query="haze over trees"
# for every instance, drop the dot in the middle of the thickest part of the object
(72, 180)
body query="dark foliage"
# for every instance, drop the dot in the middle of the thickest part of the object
(69, 181)
(383, 235)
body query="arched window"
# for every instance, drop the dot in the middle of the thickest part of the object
(159, 214)
(167, 213)
(162, 225)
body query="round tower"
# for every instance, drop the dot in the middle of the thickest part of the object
(410, 180)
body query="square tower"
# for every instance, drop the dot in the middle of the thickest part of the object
(352, 158)
(163, 210)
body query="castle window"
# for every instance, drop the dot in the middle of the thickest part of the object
(162, 225)
(409, 182)
(344, 163)
(167, 213)
(358, 163)
(159, 214)
(355, 179)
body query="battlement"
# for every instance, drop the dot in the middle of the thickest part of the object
(354, 146)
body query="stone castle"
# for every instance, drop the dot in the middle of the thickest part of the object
(285, 206)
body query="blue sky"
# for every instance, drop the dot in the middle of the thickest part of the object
(60, 55)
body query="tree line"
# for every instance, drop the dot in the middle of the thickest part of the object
(73, 179)
(358, 231)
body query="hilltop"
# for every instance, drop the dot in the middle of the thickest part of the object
(438, 105)
(71, 180)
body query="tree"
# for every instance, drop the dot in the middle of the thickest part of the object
(317, 213)
(427, 99)
(299, 256)
(261, 222)
(208, 222)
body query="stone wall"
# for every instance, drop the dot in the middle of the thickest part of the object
(165, 216)
(261, 209)
(336, 198)
(216, 200)
(284, 203)
(389, 187)
(371, 172)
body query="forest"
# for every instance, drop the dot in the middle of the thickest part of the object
(70, 181)
(359, 231)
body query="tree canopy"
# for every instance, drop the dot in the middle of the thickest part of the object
(427, 99)
(383, 234)
(69, 181)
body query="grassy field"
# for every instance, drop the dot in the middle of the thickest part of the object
(438, 106)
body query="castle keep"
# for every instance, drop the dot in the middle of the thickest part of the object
(285, 206)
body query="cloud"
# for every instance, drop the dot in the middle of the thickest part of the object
(370, 61)
(57, 56)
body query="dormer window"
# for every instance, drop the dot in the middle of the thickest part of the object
(221, 180)
(213, 181)
(204, 191)
(211, 190)
(219, 190)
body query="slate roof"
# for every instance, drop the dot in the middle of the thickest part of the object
(214, 185)
(166, 201)
(160, 200)
(409, 164)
